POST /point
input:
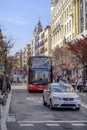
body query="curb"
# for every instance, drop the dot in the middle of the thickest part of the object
(4, 112)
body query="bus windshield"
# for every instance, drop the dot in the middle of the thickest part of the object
(40, 62)
(40, 76)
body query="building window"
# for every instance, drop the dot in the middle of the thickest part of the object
(85, 21)
(86, 6)
(65, 29)
(81, 25)
(65, 15)
(81, 8)
(70, 25)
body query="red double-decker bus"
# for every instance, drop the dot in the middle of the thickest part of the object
(40, 72)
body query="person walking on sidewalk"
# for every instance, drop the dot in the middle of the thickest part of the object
(1, 83)
(8, 84)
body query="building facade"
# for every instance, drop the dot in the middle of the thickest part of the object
(45, 41)
(63, 22)
(36, 33)
(64, 27)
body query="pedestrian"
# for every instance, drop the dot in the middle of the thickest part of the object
(11, 79)
(17, 79)
(68, 80)
(58, 78)
(8, 84)
(1, 82)
(79, 80)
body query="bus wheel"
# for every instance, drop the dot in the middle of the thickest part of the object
(29, 90)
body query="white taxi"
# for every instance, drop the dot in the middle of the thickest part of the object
(61, 95)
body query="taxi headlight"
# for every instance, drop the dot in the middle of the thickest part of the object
(56, 98)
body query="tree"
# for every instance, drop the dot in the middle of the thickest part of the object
(62, 58)
(5, 46)
(59, 55)
(78, 48)
(10, 64)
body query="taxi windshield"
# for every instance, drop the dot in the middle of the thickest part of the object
(62, 88)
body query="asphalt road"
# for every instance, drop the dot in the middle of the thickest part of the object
(28, 113)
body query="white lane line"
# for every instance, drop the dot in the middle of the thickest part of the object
(11, 119)
(84, 105)
(73, 121)
(52, 124)
(80, 124)
(22, 125)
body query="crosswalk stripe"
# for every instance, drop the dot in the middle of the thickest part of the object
(53, 124)
(22, 125)
(79, 124)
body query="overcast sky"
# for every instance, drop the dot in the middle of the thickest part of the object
(18, 19)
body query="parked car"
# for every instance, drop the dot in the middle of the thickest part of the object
(57, 95)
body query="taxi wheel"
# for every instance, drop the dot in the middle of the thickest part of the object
(51, 105)
(44, 103)
(77, 109)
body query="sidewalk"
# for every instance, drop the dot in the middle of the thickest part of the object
(4, 112)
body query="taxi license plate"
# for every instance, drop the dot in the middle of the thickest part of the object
(69, 102)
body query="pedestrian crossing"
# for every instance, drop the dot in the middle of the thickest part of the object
(49, 123)
(53, 123)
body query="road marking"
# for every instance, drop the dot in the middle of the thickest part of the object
(73, 121)
(35, 99)
(22, 125)
(53, 124)
(80, 124)
(11, 119)
(84, 105)
(83, 94)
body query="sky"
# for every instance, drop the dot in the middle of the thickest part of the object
(18, 19)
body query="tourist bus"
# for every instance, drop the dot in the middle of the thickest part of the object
(39, 72)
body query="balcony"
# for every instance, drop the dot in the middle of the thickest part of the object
(57, 28)
(41, 43)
